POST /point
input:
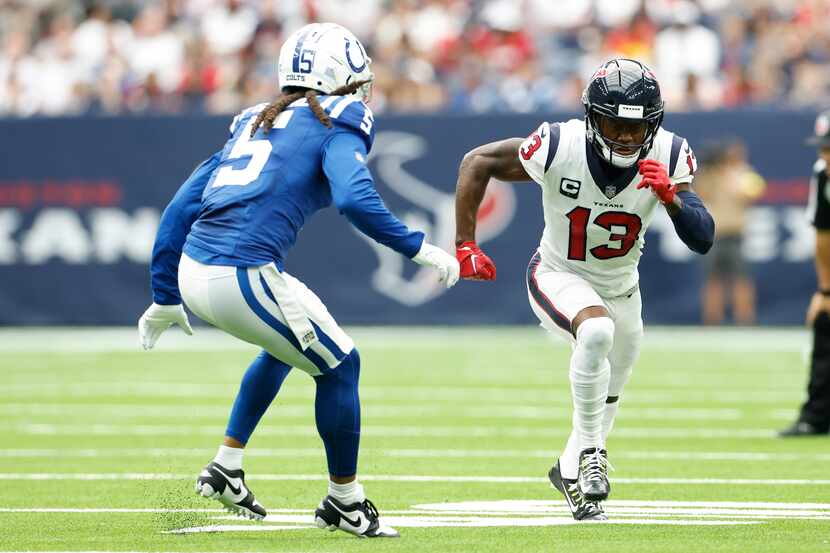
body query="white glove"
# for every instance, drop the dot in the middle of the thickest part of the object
(157, 319)
(441, 261)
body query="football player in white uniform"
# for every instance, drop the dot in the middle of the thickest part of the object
(603, 179)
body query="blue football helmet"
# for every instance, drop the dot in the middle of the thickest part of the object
(624, 91)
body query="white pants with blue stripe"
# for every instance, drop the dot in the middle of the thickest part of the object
(239, 301)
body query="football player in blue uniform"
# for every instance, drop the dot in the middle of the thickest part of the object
(223, 238)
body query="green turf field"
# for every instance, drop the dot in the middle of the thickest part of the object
(101, 444)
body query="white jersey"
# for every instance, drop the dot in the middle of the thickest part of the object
(594, 224)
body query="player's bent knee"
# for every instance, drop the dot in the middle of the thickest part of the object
(596, 333)
(349, 368)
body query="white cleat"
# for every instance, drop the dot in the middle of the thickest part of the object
(361, 519)
(228, 487)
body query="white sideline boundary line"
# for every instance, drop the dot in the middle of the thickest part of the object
(34, 476)
(413, 453)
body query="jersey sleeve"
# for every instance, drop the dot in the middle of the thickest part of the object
(818, 206)
(354, 194)
(538, 150)
(351, 115)
(174, 226)
(682, 161)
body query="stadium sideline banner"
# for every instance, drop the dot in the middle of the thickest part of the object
(80, 199)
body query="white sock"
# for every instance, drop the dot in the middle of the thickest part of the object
(589, 374)
(347, 493)
(229, 457)
(569, 459)
(608, 419)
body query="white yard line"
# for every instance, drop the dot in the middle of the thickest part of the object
(373, 410)
(414, 478)
(412, 453)
(545, 395)
(31, 395)
(393, 431)
(78, 510)
(472, 522)
(499, 507)
(206, 339)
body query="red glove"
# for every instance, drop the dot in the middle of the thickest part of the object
(656, 177)
(475, 265)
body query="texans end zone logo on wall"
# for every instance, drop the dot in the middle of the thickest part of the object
(432, 210)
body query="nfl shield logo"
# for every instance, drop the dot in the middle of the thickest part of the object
(610, 191)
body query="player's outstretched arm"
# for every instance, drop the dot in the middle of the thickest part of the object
(175, 223)
(498, 160)
(353, 192)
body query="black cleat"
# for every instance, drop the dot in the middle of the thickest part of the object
(593, 474)
(802, 428)
(581, 509)
(360, 519)
(228, 487)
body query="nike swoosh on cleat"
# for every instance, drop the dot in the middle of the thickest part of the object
(237, 490)
(354, 523)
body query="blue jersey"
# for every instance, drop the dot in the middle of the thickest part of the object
(245, 205)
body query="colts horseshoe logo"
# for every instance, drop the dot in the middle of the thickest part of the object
(355, 68)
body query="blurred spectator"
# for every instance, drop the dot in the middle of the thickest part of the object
(68, 56)
(228, 27)
(155, 56)
(728, 186)
(687, 55)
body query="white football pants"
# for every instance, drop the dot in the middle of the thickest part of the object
(268, 308)
(556, 298)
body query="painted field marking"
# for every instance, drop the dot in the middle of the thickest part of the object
(696, 339)
(820, 511)
(525, 513)
(414, 453)
(79, 510)
(545, 394)
(543, 391)
(391, 431)
(411, 478)
(373, 410)
(506, 507)
(506, 513)
(468, 522)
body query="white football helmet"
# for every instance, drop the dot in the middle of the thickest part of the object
(324, 57)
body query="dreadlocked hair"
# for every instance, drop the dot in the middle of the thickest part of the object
(268, 115)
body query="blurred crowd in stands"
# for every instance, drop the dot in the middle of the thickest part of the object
(126, 56)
